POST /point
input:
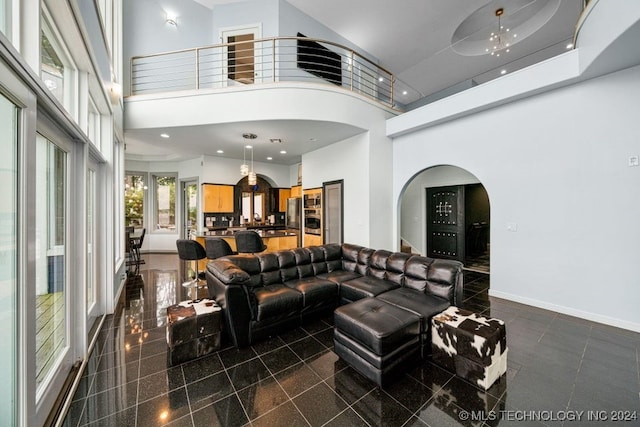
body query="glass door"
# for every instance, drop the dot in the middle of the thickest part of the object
(93, 296)
(8, 259)
(52, 352)
(189, 208)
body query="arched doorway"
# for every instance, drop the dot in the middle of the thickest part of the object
(445, 213)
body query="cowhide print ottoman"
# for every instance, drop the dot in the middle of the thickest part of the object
(193, 330)
(472, 346)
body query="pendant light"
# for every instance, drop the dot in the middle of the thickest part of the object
(253, 179)
(244, 167)
(251, 176)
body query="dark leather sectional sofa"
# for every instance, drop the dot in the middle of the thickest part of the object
(265, 294)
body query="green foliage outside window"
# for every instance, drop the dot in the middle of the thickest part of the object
(134, 201)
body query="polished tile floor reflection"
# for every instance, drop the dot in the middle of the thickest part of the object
(556, 363)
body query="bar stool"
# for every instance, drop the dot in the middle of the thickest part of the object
(249, 242)
(217, 247)
(191, 250)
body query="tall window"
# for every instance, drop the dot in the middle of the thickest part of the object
(134, 200)
(51, 254)
(5, 18)
(56, 69)
(165, 202)
(8, 258)
(93, 124)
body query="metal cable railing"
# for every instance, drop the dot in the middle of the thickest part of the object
(267, 60)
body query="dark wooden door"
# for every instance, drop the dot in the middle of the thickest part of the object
(445, 222)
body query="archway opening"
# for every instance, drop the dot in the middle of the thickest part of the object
(445, 213)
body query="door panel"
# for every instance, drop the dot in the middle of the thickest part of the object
(241, 61)
(333, 229)
(445, 222)
(9, 277)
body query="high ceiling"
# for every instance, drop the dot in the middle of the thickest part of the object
(414, 39)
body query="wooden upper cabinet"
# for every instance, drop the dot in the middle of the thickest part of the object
(283, 195)
(296, 191)
(217, 198)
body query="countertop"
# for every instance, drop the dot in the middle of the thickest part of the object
(263, 233)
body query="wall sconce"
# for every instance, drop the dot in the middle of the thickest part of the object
(172, 19)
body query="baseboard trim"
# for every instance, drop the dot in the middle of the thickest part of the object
(598, 318)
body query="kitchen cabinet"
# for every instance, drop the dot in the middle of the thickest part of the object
(217, 198)
(296, 191)
(312, 240)
(283, 195)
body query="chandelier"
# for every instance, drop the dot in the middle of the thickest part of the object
(501, 39)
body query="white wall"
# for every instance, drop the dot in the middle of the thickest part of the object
(413, 210)
(218, 170)
(344, 160)
(263, 12)
(142, 18)
(556, 166)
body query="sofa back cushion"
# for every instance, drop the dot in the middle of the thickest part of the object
(437, 277)
(269, 268)
(303, 262)
(318, 260)
(395, 267)
(333, 256)
(364, 259)
(287, 263)
(350, 256)
(378, 264)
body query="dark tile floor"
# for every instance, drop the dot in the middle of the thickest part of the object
(557, 366)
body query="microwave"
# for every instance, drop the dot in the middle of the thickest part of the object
(312, 200)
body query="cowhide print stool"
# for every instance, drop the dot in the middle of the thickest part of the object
(193, 330)
(472, 346)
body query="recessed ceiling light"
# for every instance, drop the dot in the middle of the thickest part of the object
(283, 152)
(164, 135)
(404, 92)
(380, 79)
(248, 147)
(570, 46)
(220, 152)
(503, 71)
(269, 158)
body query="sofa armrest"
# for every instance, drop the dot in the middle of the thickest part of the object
(226, 283)
(227, 272)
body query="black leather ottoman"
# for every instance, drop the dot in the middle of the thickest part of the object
(376, 338)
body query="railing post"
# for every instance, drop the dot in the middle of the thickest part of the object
(393, 82)
(351, 65)
(273, 59)
(197, 68)
(131, 85)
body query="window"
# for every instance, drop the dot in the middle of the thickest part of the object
(56, 69)
(93, 124)
(51, 254)
(165, 202)
(5, 18)
(8, 258)
(134, 199)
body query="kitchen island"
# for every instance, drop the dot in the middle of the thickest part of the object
(275, 240)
